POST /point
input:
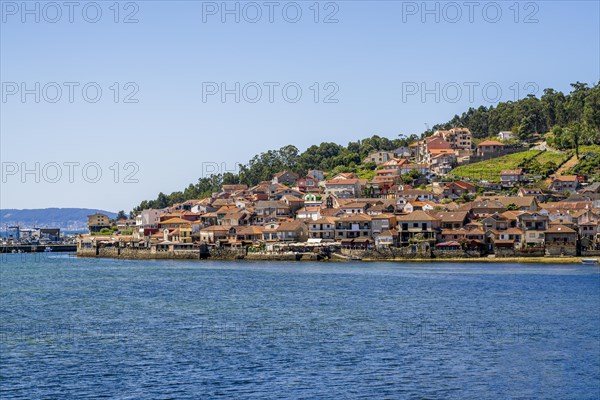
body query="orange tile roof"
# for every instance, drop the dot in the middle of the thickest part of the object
(323, 220)
(342, 182)
(355, 217)
(566, 178)
(175, 220)
(418, 215)
(559, 229)
(490, 143)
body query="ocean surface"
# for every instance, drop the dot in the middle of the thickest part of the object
(100, 328)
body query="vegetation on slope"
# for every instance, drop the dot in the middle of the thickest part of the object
(531, 115)
(489, 170)
(573, 119)
(326, 157)
(589, 163)
(552, 157)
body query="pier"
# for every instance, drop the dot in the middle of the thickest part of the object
(38, 248)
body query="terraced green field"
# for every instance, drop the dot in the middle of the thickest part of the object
(556, 158)
(535, 161)
(490, 170)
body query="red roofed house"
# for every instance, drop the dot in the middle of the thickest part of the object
(295, 231)
(442, 161)
(379, 157)
(564, 183)
(351, 226)
(178, 230)
(323, 228)
(307, 183)
(343, 188)
(431, 147)
(417, 226)
(459, 138)
(489, 147)
(424, 169)
(560, 240)
(285, 177)
(233, 188)
(452, 190)
(511, 177)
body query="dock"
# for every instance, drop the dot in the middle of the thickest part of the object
(38, 248)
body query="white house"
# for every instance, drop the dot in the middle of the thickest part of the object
(147, 220)
(309, 213)
(505, 135)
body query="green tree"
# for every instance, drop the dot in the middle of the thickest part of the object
(573, 118)
(411, 176)
(574, 133)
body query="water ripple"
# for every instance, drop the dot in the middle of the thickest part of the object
(88, 329)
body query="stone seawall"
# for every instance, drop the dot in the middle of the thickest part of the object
(500, 253)
(588, 253)
(392, 254)
(148, 254)
(213, 254)
(408, 253)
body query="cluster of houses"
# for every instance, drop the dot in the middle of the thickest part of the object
(424, 220)
(382, 212)
(435, 155)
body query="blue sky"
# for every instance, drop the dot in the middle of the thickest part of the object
(370, 68)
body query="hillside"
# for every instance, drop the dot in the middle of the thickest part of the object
(532, 115)
(72, 219)
(588, 163)
(534, 161)
(564, 120)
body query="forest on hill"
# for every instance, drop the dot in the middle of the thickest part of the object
(533, 115)
(568, 121)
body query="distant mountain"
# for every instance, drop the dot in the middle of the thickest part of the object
(71, 219)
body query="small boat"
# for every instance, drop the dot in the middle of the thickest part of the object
(48, 249)
(589, 261)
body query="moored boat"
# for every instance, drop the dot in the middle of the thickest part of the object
(589, 261)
